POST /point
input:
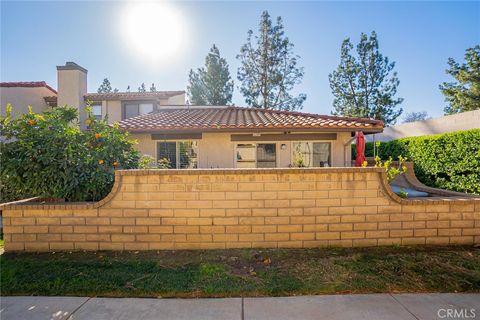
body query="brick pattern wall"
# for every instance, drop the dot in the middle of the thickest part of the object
(216, 209)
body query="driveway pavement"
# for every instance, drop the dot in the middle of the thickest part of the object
(359, 307)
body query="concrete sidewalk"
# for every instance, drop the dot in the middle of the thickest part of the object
(358, 307)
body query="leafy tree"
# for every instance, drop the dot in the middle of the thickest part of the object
(212, 84)
(153, 88)
(105, 87)
(142, 88)
(464, 94)
(361, 84)
(45, 155)
(269, 69)
(415, 116)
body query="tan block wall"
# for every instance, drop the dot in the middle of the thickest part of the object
(216, 209)
(216, 150)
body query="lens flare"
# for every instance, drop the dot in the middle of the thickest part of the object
(154, 32)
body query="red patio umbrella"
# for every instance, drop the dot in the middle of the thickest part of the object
(360, 146)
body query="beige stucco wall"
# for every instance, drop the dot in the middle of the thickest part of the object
(112, 108)
(216, 150)
(176, 100)
(145, 144)
(72, 86)
(21, 98)
(456, 122)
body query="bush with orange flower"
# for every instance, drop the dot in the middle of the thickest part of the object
(47, 155)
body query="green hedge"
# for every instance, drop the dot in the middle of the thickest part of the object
(368, 150)
(448, 161)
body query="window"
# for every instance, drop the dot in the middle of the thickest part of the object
(136, 109)
(97, 111)
(314, 154)
(261, 155)
(246, 157)
(180, 154)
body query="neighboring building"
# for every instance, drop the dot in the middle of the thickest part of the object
(24, 94)
(72, 91)
(455, 122)
(212, 136)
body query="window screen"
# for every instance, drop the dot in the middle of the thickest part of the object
(131, 110)
(167, 150)
(315, 154)
(266, 155)
(136, 109)
(180, 154)
(188, 151)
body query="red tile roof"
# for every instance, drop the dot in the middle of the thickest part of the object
(132, 95)
(232, 118)
(30, 84)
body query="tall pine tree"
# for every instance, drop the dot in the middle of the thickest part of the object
(212, 84)
(105, 87)
(361, 84)
(142, 88)
(269, 70)
(153, 88)
(464, 94)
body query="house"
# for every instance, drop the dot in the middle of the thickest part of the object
(24, 94)
(72, 91)
(235, 137)
(215, 136)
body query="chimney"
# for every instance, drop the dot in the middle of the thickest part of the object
(72, 86)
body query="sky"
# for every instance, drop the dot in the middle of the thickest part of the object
(109, 40)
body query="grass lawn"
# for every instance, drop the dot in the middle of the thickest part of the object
(245, 272)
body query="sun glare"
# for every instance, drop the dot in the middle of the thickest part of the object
(153, 31)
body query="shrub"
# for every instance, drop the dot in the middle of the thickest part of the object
(47, 155)
(148, 162)
(368, 150)
(391, 171)
(448, 161)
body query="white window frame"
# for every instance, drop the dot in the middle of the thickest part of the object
(256, 143)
